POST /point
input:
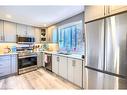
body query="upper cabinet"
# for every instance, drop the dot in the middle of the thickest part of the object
(93, 12)
(43, 35)
(1, 31)
(21, 30)
(30, 31)
(37, 35)
(116, 9)
(52, 34)
(9, 31)
(24, 30)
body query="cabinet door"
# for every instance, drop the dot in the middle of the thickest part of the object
(52, 34)
(93, 12)
(63, 67)
(21, 30)
(5, 65)
(30, 31)
(78, 72)
(70, 70)
(116, 9)
(1, 31)
(55, 60)
(14, 67)
(49, 34)
(39, 59)
(55, 36)
(9, 31)
(37, 33)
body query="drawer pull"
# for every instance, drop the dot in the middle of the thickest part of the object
(58, 59)
(73, 62)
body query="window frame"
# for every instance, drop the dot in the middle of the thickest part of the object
(68, 25)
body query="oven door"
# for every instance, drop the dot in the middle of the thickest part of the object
(24, 62)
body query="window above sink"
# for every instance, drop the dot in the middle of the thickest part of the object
(70, 37)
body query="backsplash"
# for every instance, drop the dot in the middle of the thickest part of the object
(46, 47)
(11, 47)
(7, 48)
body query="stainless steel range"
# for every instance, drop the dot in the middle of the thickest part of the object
(27, 59)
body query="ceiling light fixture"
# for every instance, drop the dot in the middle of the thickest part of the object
(44, 25)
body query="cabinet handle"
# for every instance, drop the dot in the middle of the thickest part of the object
(58, 59)
(73, 63)
(108, 9)
(1, 38)
(104, 10)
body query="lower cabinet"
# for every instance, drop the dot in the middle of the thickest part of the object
(39, 59)
(75, 71)
(14, 64)
(55, 64)
(5, 63)
(63, 67)
(8, 64)
(68, 68)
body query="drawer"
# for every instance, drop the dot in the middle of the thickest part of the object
(4, 63)
(5, 57)
(5, 71)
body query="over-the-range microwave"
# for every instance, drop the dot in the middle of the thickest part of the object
(26, 40)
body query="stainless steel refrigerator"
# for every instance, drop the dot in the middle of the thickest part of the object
(106, 53)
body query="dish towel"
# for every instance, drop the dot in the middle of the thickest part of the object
(46, 59)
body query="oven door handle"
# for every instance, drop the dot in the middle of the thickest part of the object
(20, 57)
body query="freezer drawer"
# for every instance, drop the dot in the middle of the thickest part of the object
(94, 79)
(113, 82)
(99, 80)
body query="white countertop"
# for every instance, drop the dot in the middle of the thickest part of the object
(76, 56)
(7, 54)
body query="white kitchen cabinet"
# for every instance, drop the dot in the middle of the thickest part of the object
(70, 70)
(75, 71)
(8, 65)
(78, 72)
(49, 34)
(117, 8)
(30, 31)
(21, 30)
(14, 64)
(55, 64)
(63, 67)
(94, 12)
(1, 31)
(5, 63)
(39, 59)
(52, 34)
(9, 31)
(37, 33)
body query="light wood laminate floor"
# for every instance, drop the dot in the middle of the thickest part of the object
(39, 79)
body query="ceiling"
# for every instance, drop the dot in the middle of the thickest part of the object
(38, 15)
